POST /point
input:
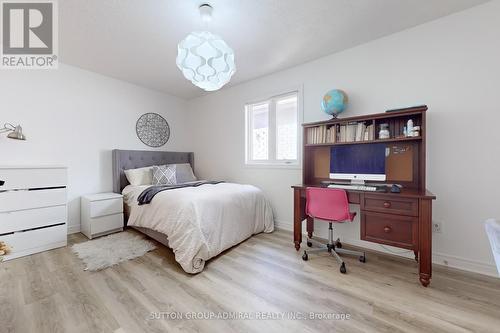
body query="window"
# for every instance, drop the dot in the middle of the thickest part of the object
(272, 131)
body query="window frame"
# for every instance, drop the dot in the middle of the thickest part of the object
(271, 161)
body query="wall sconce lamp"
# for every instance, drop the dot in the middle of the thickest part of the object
(16, 131)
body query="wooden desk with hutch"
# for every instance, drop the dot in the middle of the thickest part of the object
(403, 219)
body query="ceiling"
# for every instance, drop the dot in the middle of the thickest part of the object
(136, 40)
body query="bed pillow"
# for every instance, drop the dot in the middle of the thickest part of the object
(184, 173)
(140, 176)
(164, 174)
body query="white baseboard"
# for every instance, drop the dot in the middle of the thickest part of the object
(442, 259)
(464, 264)
(73, 229)
(283, 225)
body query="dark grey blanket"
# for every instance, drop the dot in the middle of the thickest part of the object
(148, 194)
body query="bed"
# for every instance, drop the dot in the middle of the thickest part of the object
(198, 223)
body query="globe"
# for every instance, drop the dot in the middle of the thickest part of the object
(334, 102)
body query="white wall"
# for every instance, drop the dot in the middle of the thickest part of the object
(75, 118)
(452, 65)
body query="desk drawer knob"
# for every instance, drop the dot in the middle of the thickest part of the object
(387, 229)
(387, 204)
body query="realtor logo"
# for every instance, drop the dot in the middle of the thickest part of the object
(29, 35)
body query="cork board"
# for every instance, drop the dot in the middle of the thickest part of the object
(399, 163)
(322, 162)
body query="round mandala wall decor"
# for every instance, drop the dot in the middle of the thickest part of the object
(152, 129)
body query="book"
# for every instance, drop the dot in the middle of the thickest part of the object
(351, 132)
(342, 133)
(360, 131)
(367, 133)
(411, 108)
(371, 132)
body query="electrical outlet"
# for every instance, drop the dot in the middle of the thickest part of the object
(437, 227)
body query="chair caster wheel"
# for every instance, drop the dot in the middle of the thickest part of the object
(362, 258)
(343, 270)
(309, 244)
(338, 244)
(305, 257)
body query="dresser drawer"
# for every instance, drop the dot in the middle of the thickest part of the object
(33, 241)
(105, 207)
(32, 218)
(26, 177)
(19, 200)
(393, 205)
(400, 231)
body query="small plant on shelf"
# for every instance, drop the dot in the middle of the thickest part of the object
(4, 250)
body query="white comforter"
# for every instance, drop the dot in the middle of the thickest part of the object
(201, 222)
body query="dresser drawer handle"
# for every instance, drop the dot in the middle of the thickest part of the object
(387, 204)
(387, 229)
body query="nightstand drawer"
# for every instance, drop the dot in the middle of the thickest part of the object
(105, 224)
(400, 231)
(106, 207)
(392, 205)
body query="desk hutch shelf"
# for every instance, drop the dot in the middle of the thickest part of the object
(406, 164)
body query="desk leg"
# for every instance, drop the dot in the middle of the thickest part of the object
(297, 218)
(425, 239)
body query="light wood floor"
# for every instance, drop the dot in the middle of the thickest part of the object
(50, 292)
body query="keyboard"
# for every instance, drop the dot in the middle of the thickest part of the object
(354, 187)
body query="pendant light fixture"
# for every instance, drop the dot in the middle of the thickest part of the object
(204, 58)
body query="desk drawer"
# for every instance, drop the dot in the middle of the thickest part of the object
(354, 198)
(393, 205)
(400, 231)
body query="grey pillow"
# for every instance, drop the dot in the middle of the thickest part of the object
(184, 173)
(164, 174)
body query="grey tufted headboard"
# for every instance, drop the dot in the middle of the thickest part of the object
(132, 159)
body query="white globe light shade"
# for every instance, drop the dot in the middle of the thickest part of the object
(206, 60)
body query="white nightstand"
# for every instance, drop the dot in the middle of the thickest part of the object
(102, 214)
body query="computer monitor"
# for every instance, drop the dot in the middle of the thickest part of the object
(358, 162)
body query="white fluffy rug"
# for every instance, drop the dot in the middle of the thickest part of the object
(110, 250)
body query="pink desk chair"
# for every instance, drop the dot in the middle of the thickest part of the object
(330, 205)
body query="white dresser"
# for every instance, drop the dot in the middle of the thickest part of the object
(102, 214)
(33, 211)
